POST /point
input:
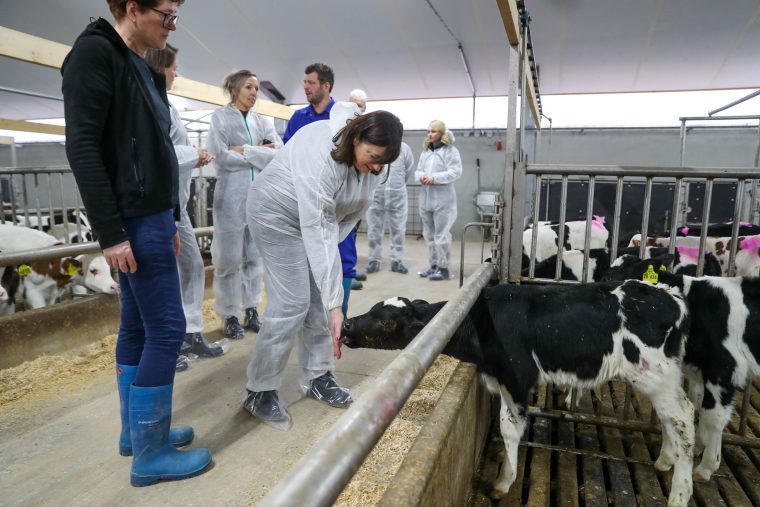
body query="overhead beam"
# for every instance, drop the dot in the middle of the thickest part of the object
(32, 49)
(510, 16)
(28, 126)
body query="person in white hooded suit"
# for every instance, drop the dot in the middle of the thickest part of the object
(439, 167)
(302, 205)
(243, 143)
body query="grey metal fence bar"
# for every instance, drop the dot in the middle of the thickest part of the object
(320, 476)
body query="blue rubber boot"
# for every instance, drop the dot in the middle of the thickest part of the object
(150, 416)
(125, 375)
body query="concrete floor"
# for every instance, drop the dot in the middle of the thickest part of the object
(65, 453)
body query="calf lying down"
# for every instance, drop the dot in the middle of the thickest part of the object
(581, 335)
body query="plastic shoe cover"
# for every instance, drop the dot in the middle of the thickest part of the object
(233, 329)
(440, 274)
(428, 272)
(179, 436)
(398, 267)
(361, 277)
(183, 363)
(326, 389)
(266, 406)
(251, 320)
(150, 414)
(186, 346)
(373, 267)
(199, 346)
(356, 285)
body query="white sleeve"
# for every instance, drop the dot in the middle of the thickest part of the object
(408, 162)
(453, 168)
(420, 172)
(187, 156)
(315, 191)
(218, 146)
(260, 156)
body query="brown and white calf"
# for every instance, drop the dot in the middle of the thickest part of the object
(578, 336)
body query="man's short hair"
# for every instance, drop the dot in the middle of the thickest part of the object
(324, 73)
(119, 7)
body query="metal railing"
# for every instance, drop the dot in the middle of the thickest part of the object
(319, 477)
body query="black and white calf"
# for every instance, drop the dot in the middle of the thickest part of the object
(575, 237)
(723, 348)
(579, 335)
(685, 259)
(572, 265)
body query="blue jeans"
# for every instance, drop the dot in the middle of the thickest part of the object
(152, 320)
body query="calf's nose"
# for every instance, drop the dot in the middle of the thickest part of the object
(347, 325)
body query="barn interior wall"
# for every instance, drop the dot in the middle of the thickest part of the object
(725, 147)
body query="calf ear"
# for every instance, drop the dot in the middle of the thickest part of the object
(420, 302)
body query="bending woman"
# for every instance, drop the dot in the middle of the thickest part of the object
(309, 198)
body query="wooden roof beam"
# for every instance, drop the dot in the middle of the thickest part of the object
(31, 49)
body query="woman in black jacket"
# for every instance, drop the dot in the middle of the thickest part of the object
(120, 151)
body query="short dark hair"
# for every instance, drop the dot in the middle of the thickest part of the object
(161, 59)
(119, 7)
(234, 81)
(324, 73)
(380, 128)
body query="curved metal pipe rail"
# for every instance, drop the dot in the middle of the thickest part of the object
(320, 476)
(56, 252)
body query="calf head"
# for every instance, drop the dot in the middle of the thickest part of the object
(389, 325)
(97, 275)
(630, 267)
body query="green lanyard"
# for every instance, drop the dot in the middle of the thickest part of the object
(358, 176)
(250, 140)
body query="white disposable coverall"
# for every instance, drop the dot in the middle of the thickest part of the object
(189, 261)
(299, 209)
(438, 202)
(237, 264)
(390, 198)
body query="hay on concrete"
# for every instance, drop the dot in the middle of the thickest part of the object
(372, 479)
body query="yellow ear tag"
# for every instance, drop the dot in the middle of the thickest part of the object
(663, 268)
(24, 270)
(650, 275)
(71, 270)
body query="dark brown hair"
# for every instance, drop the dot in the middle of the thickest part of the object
(324, 73)
(161, 59)
(380, 128)
(234, 81)
(119, 7)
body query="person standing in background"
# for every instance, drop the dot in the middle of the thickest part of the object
(390, 200)
(120, 151)
(243, 143)
(318, 81)
(358, 97)
(439, 167)
(192, 275)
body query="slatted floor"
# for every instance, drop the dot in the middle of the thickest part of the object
(611, 467)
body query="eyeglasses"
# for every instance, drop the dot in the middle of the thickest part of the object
(170, 19)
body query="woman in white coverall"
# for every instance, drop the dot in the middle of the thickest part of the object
(439, 167)
(390, 200)
(243, 143)
(306, 201)
(189, 261)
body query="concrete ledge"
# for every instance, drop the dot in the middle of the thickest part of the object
(439, 467)
(57, 329)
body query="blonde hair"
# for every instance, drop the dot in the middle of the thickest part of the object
(234, 81)
(440, 127)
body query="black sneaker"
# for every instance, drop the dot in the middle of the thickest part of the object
(251, 320)
(182, 363)
(440, 274)
(266, 406)
(198, 345)
(356, 285)
(373, 267)
(398, 267)
(428, 272)
(233, 329)
(325, 388)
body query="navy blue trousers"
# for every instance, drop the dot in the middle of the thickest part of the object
(152, 319)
